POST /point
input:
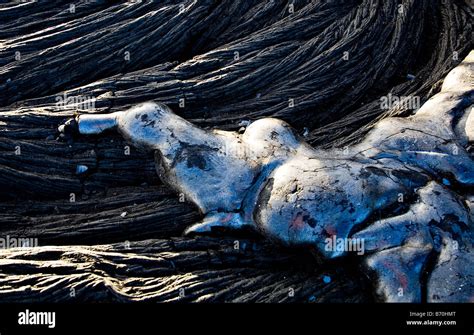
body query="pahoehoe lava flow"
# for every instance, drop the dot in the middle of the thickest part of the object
(109, 228)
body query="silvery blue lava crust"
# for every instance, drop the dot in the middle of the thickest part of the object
(401, 199)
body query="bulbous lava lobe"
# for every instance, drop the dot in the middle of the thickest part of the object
(298, 196)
